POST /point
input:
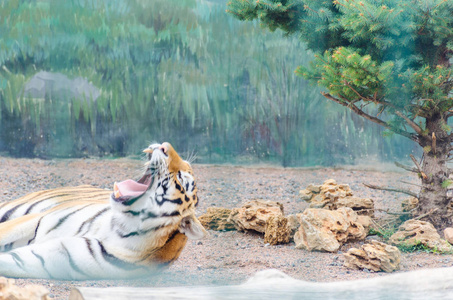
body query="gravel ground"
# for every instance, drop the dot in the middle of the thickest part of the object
(223, 257)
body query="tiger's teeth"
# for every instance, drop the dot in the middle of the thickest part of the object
(116, 191)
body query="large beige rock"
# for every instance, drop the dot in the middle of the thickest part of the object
(332, 196)
(277, 230)
(216, 218)
(376, 257)
(327, 230)
(253, 215)
(415, 232)
(8, 290)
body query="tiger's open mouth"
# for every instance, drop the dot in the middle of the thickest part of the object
(130, 189)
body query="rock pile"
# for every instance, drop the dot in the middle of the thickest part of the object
(327, 230)
(375, 257)
(8, 290)
(332, 196)
(334, 217)
(415, 232)
(315, 229)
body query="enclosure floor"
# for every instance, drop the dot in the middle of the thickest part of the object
(224, 257)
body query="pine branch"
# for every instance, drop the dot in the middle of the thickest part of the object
(407, 168)
(412, 124)
(376, 187)
(417, 185)
(426, 214)
(357, 93)
(405, 213)
(363, 114)
(418, 167)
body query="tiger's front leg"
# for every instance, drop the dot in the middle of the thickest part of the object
(72, 258)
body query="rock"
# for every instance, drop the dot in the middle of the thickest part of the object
(305, 195)
(326, 230)
(319, 201)
(277, 230)
(331, 190)
(376, 256)
(415, 232)
(409, 204)
(8, 290)
(332, 196)
(293, 225)
(329, 182)
(363, 206)
(365, 221)
(216, 218)
(314, 188)
(448, 234)
(253, 215)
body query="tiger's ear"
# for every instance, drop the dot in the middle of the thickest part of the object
(192, 228)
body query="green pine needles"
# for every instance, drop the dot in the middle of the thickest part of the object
(394, 54)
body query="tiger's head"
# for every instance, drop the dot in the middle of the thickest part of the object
(166, 195)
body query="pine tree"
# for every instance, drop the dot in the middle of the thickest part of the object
(389, 62)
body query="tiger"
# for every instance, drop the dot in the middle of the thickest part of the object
(86, 233)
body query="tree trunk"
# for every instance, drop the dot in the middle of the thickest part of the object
(433, 200)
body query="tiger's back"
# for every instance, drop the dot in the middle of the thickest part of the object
(45, 214)
(86, 232)
(47, 199)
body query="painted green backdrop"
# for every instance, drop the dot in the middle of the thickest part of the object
(181, 71)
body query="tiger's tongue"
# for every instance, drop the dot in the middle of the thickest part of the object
(129, 188)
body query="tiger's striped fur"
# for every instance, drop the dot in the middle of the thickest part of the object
(85, 232)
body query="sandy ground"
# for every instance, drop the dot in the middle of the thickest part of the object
(223, 258)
